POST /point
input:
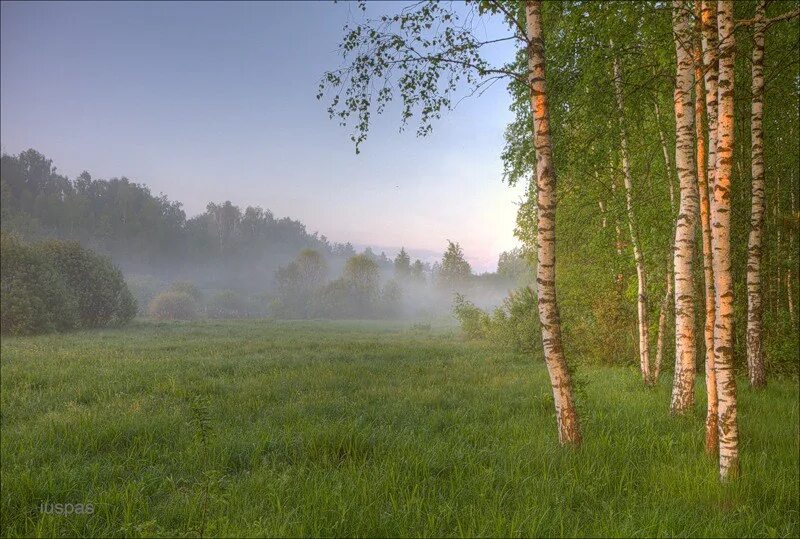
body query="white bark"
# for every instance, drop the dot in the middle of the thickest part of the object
(566, 413)
(641, 274)
(756, 371)
(721, 248)
(683, 385)
(712, 442)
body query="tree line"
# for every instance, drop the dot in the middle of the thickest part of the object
(673, 131)
(152, 235)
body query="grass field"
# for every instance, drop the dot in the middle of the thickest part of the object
(322, 428)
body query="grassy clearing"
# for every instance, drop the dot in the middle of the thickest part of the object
(324, 428)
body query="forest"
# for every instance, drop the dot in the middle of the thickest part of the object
(630, 368)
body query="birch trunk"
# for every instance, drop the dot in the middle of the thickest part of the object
(683, 384)
(790, 271)
(712, 441)
(756, 371)
(665, 310)
(662, 324)
(566, 413)
(721, 249)
(641, 275)
(617, 228)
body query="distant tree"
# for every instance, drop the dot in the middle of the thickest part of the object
(418, 271)
(455, 270)
(513, 267)
(298, 281)
(225, 220)
(362, 275)
(345, 250)
(402, 265)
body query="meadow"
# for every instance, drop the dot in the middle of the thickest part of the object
(252, 428)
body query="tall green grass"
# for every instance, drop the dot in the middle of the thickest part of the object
(339, 429)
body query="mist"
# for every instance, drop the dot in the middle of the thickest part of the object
(245, 258)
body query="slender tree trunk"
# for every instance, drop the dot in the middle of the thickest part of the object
(641, 275)
(790, 271)
(566, 412)
(662, 323)
(756, 371)
(601, 203)
(665, 310)
(683, 385)
(721, 249)
(602, 213)
(617, 228)
(790, 296)
(667, 160)
(712, 441)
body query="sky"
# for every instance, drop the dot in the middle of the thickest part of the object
(217, 101)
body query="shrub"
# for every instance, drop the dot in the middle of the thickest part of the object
(173, 306)
(514, 324)
(188, 288)
(98, 286)
(227, 304)
(473, 321)
(34, 297)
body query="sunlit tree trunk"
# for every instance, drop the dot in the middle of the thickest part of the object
(756, 371)
(566, 413)
(683, 384)
(641, 275)
(721, 249)
(705, 226)
(665, 309)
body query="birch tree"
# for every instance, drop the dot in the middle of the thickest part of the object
(641, 274)
(566, 413)
(756, 371)
(683, 384)
(721, 250)
(705, 227)
(667, 299)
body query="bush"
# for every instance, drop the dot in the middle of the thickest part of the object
(173, 306)
(473, 321)
(514, 324)
(34, 297)
(186, 287)
(98, 286)
(227, 304)
(57, 286)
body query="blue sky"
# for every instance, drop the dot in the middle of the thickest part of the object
(216, 101)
